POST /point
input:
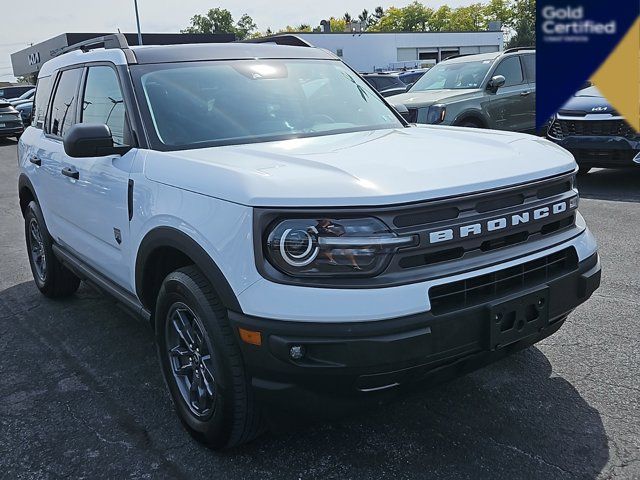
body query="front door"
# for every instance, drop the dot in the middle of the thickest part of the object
(97, 188)
(510, 107)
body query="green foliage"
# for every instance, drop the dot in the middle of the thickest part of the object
(517, 16)
(220, 20)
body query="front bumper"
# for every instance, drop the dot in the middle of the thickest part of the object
(602, 151)
(347, 363)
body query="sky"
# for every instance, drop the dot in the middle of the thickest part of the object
(33, 21)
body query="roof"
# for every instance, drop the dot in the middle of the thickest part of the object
(224, 51)
(185, 53)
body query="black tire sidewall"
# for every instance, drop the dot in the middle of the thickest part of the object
(216, 429)
(33, 212)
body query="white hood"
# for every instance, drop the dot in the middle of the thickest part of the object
(364, 168)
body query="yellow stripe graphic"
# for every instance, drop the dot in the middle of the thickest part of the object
(618, 78)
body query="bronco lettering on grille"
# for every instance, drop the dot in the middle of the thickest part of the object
(498, 223)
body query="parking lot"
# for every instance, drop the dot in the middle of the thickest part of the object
(81, 394)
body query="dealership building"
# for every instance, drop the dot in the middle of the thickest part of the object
(27, 62)
(368, 52)
(363, 51)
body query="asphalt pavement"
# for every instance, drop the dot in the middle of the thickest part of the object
(81, 394)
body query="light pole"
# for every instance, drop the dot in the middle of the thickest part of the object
(135, 2)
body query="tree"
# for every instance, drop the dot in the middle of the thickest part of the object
(337, 24)
(220, 20)
(347, 18)
(524, 24)
(441, 19)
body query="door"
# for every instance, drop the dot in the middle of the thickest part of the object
(529, 64)
(98, 186)
(509, 108)
(53, 193)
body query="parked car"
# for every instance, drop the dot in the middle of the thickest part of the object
(595, 133)
(409, 77)
(14, 91)
(25, 110)
(26, 97)
(10, 121)
(387, 84)
(489, 90)
(294, 249)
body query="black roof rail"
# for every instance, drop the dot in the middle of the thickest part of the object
(517, 49)
(458, 56)
(111, 41)
(284, 39)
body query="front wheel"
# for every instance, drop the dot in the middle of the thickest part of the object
(202, 364)
(52, 278)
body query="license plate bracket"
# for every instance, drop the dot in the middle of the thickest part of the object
(518, 317)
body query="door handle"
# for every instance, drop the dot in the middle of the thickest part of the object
(524, 94)
(71, 173)
(35, 160)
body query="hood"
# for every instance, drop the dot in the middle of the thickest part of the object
(379, 167)
(430, 97)
(587, 101)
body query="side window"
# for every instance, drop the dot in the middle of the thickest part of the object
(43, 93)
(529, 63)
(63, 108)
(511, 70)
(103, 102)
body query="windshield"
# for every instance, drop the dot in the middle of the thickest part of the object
(217, 103)
(458, 75)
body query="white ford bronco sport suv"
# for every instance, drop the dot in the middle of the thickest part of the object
(294, 243)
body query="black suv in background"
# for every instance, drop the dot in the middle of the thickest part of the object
(595, 133)
(387, 84)
(10, 121)
(14, 91)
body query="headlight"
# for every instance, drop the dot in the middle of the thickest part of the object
(436, 114)
(323, 247)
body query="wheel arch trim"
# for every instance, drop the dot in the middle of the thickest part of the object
(169, 237)
(471, 114)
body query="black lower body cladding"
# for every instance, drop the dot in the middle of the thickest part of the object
(343, 364)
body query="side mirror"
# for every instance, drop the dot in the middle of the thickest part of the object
(90, 140)
(496, 82)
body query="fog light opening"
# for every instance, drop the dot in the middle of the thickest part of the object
(297, 352)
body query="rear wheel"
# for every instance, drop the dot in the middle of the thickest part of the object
(52, 278)
(202, 364)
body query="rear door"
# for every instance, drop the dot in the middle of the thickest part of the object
(54, 196)
(509, 108)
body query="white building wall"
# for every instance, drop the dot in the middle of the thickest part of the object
(367, 51)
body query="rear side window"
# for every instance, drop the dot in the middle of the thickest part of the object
(43, 93)
(511, 70)
(63, 108)
(103, 102)
(529, 63)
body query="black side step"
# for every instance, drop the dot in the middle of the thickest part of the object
(82, 270)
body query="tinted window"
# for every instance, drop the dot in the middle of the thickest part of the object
(529, 63)
(246, 101)
(43, 92)
(103, 103)
(63, 110)
(511, 70)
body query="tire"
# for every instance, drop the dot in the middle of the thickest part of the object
(469, 124)
(52, 278)
(583, 169)
(227, 416)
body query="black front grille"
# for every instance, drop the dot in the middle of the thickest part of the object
(562, 128)
(604, 156)
(483, 288)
